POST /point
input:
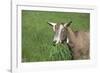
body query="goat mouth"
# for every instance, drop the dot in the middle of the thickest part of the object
(54, 44)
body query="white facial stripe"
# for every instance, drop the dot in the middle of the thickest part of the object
(59, 33)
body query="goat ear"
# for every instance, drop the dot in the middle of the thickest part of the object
(67, 24)
(51, 23)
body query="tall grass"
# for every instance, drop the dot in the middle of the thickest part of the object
(37, 35)
(60, 52)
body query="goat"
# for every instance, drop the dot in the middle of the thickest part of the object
(77, 41)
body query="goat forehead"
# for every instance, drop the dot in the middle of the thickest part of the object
(58, 33)
(59, 30)
(59, 27)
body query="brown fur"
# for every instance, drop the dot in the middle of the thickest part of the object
(79, 43)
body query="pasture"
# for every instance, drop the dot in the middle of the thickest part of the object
(37, 35)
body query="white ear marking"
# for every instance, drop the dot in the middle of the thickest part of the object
(51, 23)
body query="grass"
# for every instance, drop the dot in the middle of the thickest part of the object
(37, 35)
